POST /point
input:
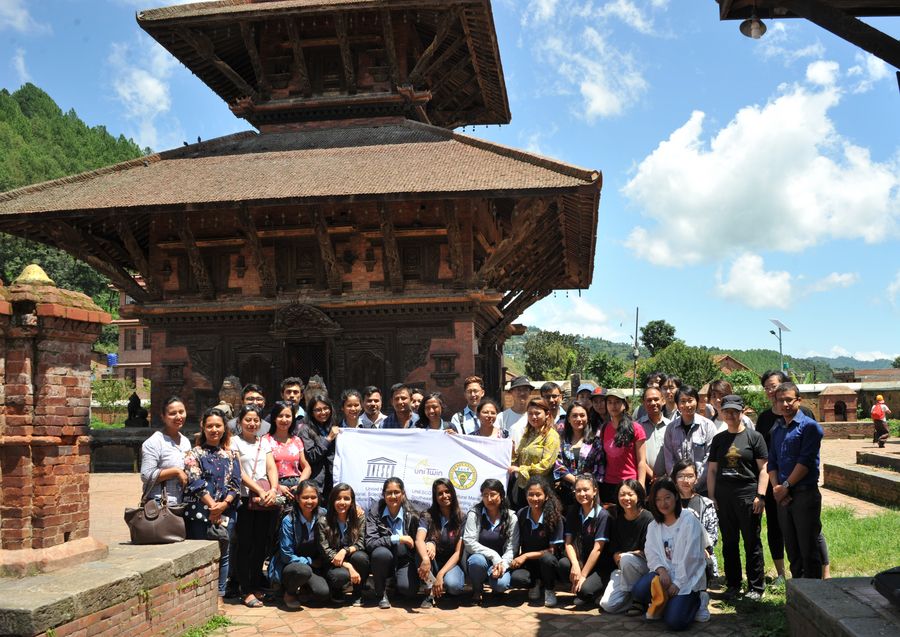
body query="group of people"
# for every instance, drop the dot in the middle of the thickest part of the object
(574, 509)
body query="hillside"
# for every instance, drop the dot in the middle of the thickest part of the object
(39, 142)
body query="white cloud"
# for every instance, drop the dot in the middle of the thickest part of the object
(776, 177)
(141, 85)
(573, 315)
(535, 141)
(14, 15)
(822, 72)
(631, 14)
(750, 284)
(868, 70)
(608, 79)
(834, 280)
(18, 65)
(778, 44)
(837, 351)
(871, 356)
(539, 11)
(893, 289)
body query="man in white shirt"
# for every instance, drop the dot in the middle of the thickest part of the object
(654, 424)
(372, 418)
(466, 420)
(512, 421)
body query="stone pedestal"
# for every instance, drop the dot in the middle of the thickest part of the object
(46, 336)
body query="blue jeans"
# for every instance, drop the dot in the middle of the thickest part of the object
(479, 568)
(680, 610)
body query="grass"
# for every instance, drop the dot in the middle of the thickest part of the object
(215, 623)
(856, 546)
(99, 424)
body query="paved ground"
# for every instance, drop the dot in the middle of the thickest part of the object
(111, 493)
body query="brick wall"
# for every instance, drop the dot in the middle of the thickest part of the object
(863, 483)
(168, 609)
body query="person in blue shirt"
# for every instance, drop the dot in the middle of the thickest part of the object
(794, 473)
(391, 525)
(540, 541)
(491, 539)
(466, 421)
(298, 554)
(342, 535)
(403, 417)
(439, 544)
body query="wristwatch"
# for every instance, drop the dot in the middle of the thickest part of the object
(786, 484)
(761, 496)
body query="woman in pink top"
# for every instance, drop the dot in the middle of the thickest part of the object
(623, 447)
(287, 448)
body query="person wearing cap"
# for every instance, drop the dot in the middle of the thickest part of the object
(597, 412)
(514, 420)
(583, 395)
(736, 482)
(880, 413)
(622, 444)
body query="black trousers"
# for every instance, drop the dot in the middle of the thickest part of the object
(398, 561)
(593, 585)
(338, 577)
(801, 523)
(544, 570)
(296, 575)
(774, 536)
(254, 531)
(737, 521)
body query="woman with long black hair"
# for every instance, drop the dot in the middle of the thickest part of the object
(623, 447)
(391, 524)
(318, 438)
(342, 535)
(439, 544)
(491, 538)
(287, 449)
(541, 527)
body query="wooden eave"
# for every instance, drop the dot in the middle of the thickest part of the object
(212, 40)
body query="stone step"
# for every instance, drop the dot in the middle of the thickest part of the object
(867, 483)
(879, 458)
(839, 607)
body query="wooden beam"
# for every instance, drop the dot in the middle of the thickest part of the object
(69, 239)
(443, 57)
(299, 81)
(512, 312)
(443, 29)
(248, 33)
(454, 243)
(724, 8)
(849, 28)
(525, 219)
(326, 249)
(141, 262)
(387, 30)
(207, 51)
(473, 53)
(267, 281)
(198, 265)
(340, 27)
(391, 252)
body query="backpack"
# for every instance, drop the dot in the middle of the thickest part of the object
(877, 412)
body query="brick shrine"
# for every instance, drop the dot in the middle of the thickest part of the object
(46, 335)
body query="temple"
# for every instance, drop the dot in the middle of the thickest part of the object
(354, 234)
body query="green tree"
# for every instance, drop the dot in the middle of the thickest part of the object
(607, 370)
(896, 363)
(692, 365)
(657, 336)
(553, 355)
(742, 377)
(110, 393)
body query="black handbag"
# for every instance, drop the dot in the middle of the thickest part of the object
(155, 522)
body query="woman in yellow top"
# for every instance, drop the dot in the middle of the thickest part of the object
(537, 451)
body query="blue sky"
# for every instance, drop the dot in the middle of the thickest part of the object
(743, 180)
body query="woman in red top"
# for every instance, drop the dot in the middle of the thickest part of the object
(287, 449)
(623, 447)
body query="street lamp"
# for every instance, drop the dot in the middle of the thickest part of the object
(781, 328)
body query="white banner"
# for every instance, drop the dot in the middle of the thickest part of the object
(365, 458)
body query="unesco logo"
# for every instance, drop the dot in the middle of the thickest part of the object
(379, 469)
(463, 475)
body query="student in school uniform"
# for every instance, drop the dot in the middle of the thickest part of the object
(439, 544)
(541, 527)
(391, 525)
(490, 539)
(586, 535)
(342, 536)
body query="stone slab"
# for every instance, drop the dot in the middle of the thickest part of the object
(31, 605)
(879, 459)
(839, 607)
(25, 562)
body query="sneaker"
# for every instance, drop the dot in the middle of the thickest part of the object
(384, 603)
(753, 596)
(356, 602)
(428, 602)
(703, 612)
(732, 592)
(549, 599)
(477, 595)
(778, 582)
(534, 593)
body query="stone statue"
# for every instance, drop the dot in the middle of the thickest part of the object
(137, 415)
(231, 392)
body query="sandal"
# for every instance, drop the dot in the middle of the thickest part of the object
(251, 601)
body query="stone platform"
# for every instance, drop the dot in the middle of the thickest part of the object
(840, 607)
(136, 590)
